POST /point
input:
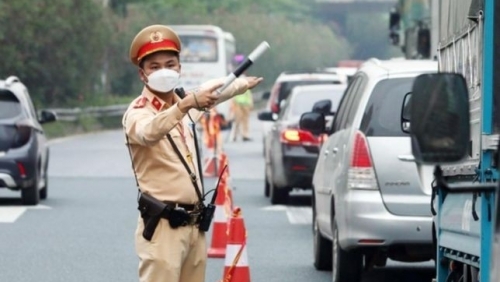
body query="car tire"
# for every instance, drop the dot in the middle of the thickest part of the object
(347, 266)
(267, 186)
(322, 247)
(30, 195)
(278, 195)
(44, 191)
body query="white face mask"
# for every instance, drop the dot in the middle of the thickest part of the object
(163, 80)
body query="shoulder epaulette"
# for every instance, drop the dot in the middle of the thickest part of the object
(140, 102)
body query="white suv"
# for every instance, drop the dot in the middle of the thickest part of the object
(369, 202)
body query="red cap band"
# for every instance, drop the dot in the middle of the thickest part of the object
(151, 47)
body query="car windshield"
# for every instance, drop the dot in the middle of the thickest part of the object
(9, 105)
(304, 100)
(382, 115)
(198, 49)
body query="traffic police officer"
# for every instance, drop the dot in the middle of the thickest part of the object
(170, 254)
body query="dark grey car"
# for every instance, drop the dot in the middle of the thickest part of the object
(24, 152)
(291, 153)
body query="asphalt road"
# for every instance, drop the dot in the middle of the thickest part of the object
(84, 231)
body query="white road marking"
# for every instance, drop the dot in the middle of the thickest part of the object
(299, 215)
(295, 215)
(274, 208)
(10, 214)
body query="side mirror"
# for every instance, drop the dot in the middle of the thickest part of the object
(313, 122)
(47, 116)
(266, 116)
(439, 113)
(405, 114)
(323, 107)
(266, 95)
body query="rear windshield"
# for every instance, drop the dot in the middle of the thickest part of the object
(286, 87)
(304, 101)
(382, 115)
(9, 105)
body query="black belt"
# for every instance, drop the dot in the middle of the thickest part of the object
(187, 207)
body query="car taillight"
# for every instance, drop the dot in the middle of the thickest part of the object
(360, 154)
(22, 170)
(361, 174)
(298, 137)
(274, 108)
(23, 134)
(273, 98)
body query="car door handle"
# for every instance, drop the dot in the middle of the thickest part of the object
(406, 158)
(335, 150)
(326, 152)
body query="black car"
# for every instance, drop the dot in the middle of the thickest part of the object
(291, 153)
(24, 152)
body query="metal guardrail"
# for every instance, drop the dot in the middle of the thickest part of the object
(72, 114)
(64, 114)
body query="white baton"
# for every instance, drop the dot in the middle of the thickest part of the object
(256, 53)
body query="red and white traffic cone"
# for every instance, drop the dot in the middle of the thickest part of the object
(211, 164)
(236, 267)
(222, 162)
(219, 233)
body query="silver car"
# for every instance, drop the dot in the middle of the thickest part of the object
(369, 202)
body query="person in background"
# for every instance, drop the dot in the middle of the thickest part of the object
(242, 106)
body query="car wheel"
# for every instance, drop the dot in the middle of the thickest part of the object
(346, 265)
(30, 195)
(266, 185)
(322, 247)
(278, 195)
(44, 191)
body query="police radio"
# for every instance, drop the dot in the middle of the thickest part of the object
(209, 210)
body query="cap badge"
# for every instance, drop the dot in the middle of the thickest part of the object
(156, 36)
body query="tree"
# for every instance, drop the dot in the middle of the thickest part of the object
(54, 46)
(295, 43)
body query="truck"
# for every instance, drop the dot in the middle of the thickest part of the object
(455, 126)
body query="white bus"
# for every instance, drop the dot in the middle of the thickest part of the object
(207, 53)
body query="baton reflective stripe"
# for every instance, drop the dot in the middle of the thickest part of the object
(256, 53)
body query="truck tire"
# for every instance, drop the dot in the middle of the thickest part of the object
(346, 265)
(322, 247)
